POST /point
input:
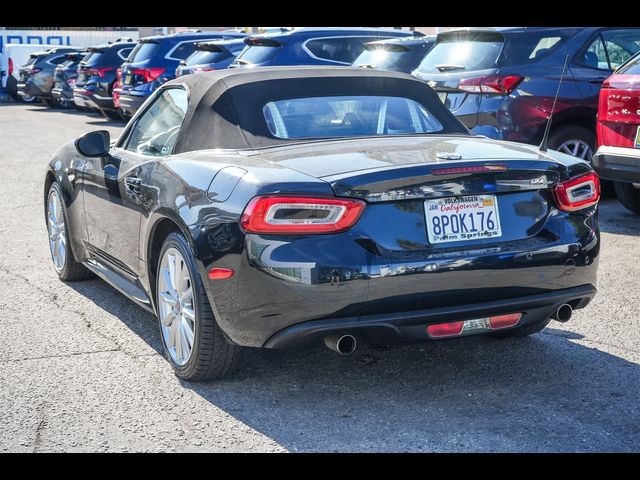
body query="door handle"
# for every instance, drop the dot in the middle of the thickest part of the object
(132, 185)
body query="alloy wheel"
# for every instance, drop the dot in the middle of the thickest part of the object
(176, 308)
(577, 148)
(57, 232)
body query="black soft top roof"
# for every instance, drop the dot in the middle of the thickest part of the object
(225, 106)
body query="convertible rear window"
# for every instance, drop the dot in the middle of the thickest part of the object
(348, 116)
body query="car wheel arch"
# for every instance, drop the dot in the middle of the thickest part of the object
(578, 116)
(162, 224)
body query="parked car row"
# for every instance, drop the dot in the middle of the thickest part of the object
(499, 82)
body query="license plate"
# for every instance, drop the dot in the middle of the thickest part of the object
(128, 79)
(637, 142)
(82, 77)
(456, 219)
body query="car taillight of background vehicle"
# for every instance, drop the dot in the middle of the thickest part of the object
(578, 193)
(618, 107)
(300, 215)
(502, 84)
(202, 69)
(35, 70)
(149, 74)
(10, 66)
(99, 71)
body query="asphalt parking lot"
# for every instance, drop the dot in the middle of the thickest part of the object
(81, 367)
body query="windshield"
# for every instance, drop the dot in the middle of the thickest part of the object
(388, 58)
(93, 58)
(68, 64)
(464, 52)
(203, 56)
(348, 116)
(529, 47)
(143, 51)
(257, 54)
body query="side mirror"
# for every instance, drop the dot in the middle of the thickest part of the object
(94, 144)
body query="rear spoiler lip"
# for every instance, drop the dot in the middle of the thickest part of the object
(259, 41)
(210, 47)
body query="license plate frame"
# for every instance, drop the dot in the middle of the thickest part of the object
(477, 217)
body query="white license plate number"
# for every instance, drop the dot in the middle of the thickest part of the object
(457, 219)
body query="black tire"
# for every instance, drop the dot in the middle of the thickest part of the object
(72, 270)
(213, 356)
(111, 114)
(51, 103)
(569, 132)
(628, 195)
(523, 331)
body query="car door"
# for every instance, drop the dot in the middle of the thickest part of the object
(603, 52)
(114, 187)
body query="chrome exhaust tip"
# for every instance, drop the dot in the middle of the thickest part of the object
(343, 343)
(563, 313)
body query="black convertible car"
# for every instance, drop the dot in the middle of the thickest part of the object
(280, 206)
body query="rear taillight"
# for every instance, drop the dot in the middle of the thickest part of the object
(35, 70)
(476, 325)
(300, 215)
(118, 82)
(619, 99)
(203, 69)
(10, 66)
(502, 84)
(99, 71)
(578, 193)
(149, 74)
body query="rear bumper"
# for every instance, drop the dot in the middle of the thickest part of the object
(131, 103)
(411, 326)
(621, 164)
(62, 94)
(95, 100)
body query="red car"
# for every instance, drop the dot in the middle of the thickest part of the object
(618, 132)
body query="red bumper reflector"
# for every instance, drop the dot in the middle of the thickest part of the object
(445, 329)
(504, 321)
(476, 325)
(220, 273)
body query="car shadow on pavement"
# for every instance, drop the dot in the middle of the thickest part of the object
(548, 392)
(614, 218)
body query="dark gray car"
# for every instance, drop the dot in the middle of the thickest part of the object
(37, 75)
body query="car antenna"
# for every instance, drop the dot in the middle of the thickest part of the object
(545, 137)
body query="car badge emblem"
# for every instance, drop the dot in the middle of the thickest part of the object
(538, 181)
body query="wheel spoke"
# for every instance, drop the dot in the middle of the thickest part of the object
(173, 335)
(61, 251)
(172, 270)
(168, 297)
(184, 342)
(167, 321)
(187, 296)
(188, 332)
(189, 314)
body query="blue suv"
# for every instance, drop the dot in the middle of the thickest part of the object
(311, 46)
(154, 60)
(212, 55)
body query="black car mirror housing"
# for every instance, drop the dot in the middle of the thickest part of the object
(94, 144)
